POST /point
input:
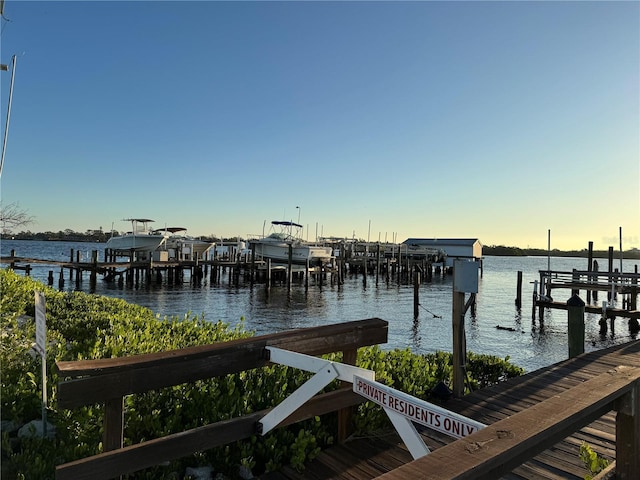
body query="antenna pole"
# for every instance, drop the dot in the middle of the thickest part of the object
(6, 125)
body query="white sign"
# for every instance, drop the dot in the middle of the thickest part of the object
(41, 324)
(416, 410)
(41, 348)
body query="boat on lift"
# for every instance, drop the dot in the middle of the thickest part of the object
(183, 247)
(278, 245)
(141, 240)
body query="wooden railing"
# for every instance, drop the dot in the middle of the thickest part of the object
(109, 380)
(614, 283)
(500, 447)
(625, 283)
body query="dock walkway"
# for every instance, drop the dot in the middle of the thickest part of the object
(367, 458)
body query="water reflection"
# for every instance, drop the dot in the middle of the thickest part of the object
(415, 335)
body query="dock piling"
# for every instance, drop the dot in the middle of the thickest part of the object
(589, 269)
(416, 292)
(519, 291)
(575, 325)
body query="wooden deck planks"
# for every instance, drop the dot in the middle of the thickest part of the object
(559, 462)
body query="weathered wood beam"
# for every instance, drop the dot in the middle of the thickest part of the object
(98, 388)
(312, 341)
(95, 381)
(497, 449)
(628, 435)
(153, 452)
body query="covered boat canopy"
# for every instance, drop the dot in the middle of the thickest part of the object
(142, 220)
(285, 223)
(170, 230)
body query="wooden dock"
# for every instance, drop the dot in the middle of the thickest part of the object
(615, 284)
(133, 271)
(371, 457)
(621, 290)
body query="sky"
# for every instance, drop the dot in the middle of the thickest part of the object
(501, 121)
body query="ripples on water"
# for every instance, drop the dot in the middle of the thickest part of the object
(529, 346)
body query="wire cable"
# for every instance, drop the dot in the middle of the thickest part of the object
(427, 310)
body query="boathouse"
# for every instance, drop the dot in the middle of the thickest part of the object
(462, 248)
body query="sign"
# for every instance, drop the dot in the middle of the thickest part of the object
(41, 324)
(41, 348)
(416, 410)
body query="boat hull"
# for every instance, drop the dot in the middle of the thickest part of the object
(188, 249)
(137, 243)
(278, 252)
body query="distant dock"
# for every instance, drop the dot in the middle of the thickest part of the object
(384, 261)
(621, 290)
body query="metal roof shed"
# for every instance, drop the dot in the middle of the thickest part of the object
(469, 248)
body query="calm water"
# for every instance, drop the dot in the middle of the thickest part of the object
(529, 346)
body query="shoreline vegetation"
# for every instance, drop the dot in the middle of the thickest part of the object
(86, 326)
(99, 236)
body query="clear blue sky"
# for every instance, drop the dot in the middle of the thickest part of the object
(497, 121)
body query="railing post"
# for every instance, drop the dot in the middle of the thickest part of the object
(289, 267)
(589, 269)
(416, 292)
(633, 305)
(459, 344)
(345, 415)
(575, 325)
(628, 435)
(113, 424)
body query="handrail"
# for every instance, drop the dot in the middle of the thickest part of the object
(132, 458)
(625, 283)
(593, 273)
(92, 381)
(108, 380)
(311, 340)
(591, 278)
(497, 449)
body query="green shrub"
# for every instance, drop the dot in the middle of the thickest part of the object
(592, 461)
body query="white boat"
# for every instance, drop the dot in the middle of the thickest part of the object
(141, 240)
(279, 245)
(183, 247)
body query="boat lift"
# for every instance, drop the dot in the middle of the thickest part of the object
(401, 408)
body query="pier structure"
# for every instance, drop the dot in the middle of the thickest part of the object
(621, 290)
(383, 260)
(388, 260)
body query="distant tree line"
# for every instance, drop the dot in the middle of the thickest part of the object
(62, 235)
(69, 235)
(500, 250)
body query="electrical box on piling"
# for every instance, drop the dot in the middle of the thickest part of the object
(465, 276)
(465, 280)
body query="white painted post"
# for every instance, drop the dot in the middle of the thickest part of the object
(41, 348)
